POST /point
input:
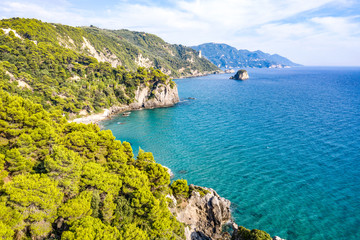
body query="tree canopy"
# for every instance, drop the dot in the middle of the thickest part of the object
(74, 181)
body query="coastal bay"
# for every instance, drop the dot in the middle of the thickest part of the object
(277, 146)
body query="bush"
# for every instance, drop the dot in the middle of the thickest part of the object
(245, 234)
(180, 188)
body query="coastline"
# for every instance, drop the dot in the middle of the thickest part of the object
(164, 96)
(218, 208)
(201, 74)
(98, 117)
(107, 113)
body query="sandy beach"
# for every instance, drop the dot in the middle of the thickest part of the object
(93, 118)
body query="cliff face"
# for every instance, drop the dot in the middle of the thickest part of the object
(160, 95)
(204, 215)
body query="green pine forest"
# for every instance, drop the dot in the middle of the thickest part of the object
(61, 180)
(74, 181)
(63, 79)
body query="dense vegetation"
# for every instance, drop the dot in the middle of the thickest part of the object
(175, 60)
(119, 47)
(60, 78)
(74, 181)
(246, 234)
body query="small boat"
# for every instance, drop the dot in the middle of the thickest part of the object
(120, 123)
(126, 114)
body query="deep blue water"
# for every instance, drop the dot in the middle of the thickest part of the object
(283, 146)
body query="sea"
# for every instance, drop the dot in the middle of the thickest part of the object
(283, 146)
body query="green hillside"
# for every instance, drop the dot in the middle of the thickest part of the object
(73, 181)
(174, 60)
(61, 180)
(119, 47)
(36, 65)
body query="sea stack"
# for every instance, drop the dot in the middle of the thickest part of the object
(242, 74)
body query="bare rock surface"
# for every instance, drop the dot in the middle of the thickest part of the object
(204, 215)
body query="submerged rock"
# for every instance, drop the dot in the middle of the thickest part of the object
(242, 74)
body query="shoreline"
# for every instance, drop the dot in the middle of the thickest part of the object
(107, 113)
(95, 118)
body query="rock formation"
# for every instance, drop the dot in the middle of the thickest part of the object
(241, 75)
(160, 95)
(204, 214)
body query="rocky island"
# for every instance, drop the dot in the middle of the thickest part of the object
(242, 74)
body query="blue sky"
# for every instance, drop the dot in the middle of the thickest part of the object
(310, 32)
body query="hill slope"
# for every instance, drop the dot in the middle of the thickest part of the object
(225, 56)
(148, 50)
(53, 65)
(118, 47)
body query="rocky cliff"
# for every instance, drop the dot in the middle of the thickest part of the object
(160, 95)
(204, 214)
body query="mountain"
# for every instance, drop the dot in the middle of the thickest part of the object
(225, 56)
(118, 47)
(148, 50)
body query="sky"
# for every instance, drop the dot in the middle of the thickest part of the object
(309, 32)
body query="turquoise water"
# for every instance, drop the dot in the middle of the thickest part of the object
(283, 146)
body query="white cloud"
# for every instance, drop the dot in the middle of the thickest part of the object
(319, 41)
(246, 24)
(343, 26)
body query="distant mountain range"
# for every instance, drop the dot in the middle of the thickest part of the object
(225, 56)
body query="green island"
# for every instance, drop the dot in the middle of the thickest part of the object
(63, 180)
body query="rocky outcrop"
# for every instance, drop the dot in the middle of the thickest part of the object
(204, 214)
(100, 56)
(240, 75)
(160, 95)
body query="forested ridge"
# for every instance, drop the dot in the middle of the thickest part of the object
(61, 78)
(74, 181)
(67, 180)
